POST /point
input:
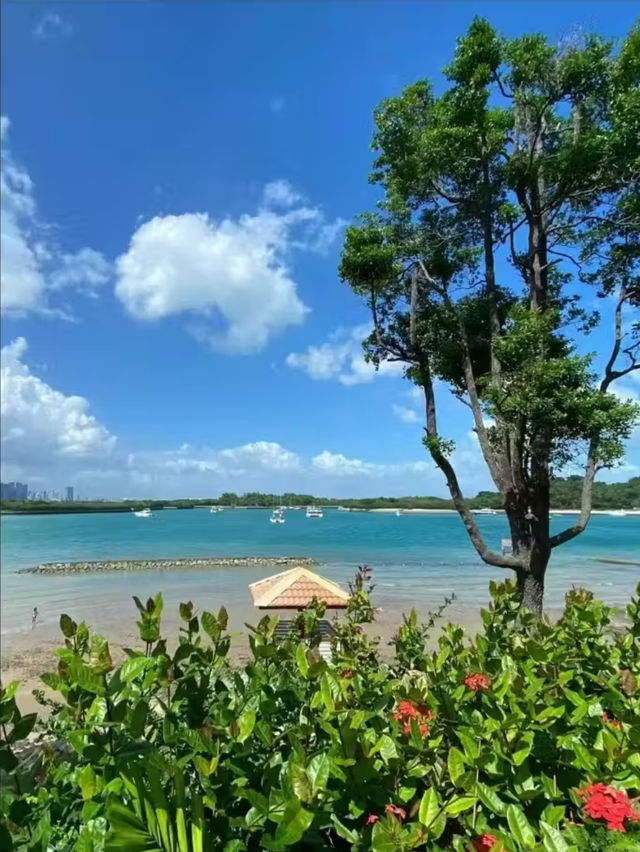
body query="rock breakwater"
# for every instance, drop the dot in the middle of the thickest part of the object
(187, 563)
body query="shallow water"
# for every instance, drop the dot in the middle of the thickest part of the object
(417, 560)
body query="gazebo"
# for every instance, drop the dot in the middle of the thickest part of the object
(295, 589)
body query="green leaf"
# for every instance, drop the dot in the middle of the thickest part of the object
(295, 821)
(490, 798)
(462, 803)
(210, 626)
(68, 626)
(127, 832)
(520, 828)
(455, 765)
(553, 840)
(223, 618)
(342, 830)
(300, 782)
(386, 747)
(133, 667)
(301, 660)
(23, 727)
(246, 724)
(383, 839)
(429, 807)
(99, 657)
(318, 771)
(88, 783)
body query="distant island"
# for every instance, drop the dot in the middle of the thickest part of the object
(565, 494)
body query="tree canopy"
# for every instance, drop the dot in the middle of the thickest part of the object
(510, 204)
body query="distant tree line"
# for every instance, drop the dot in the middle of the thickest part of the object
(565, 494)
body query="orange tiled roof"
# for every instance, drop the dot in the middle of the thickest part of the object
(294, 589)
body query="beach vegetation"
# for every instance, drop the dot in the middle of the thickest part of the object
(523, 738)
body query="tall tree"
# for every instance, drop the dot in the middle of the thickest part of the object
(505, 199)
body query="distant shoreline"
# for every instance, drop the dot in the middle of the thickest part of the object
(186, 563)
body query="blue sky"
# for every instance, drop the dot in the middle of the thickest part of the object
(177, 177)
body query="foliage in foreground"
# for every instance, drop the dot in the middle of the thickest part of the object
(524, 738)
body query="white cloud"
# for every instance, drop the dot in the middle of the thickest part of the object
(280, 193)
(51, 24)
(337, 464)
(42, 428)
(31, 266)
(277, 104)
(342, 358)
(407, 415)
(233, 272)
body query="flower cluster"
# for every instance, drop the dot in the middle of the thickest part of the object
(477, 682)
(609, 804)
(406, 711)
(396, 811)
(484, 842)
(608, 719)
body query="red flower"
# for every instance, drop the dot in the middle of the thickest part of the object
(406, 711)
(477, 682)
(608, 719)
(346, 673)
(394, 809)
(609, 804)
(484, 842)
(371, 819)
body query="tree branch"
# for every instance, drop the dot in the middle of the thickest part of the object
(468, 519)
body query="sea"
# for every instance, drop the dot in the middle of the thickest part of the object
(417, 560)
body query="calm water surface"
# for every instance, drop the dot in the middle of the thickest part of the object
(417, 559)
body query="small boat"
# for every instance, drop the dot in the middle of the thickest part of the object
(215, 509)
(398, 513)
(485, 512)
(277, 516)
(618, 513)
(142, 513)
(314, 512)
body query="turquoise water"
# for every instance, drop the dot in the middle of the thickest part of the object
(416, 559)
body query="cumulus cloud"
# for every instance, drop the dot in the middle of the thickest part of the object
(31, 265)
(407, 415)
(234, 273)
(51, 24)
(280, 193)
(341, 359)
(42, 428)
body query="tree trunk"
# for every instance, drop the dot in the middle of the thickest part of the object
(531, 589)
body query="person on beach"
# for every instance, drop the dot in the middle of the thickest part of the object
(34, 617)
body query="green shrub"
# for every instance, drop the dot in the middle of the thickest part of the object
(494, 742)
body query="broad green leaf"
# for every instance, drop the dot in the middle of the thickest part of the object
(295, 821)
(490, 798)
(383, 838)
(520, 828)
(210, 625)
(88, 783)
(300, 782)
(197, 823)
(386, 747)
(246, 723)
(99, 657)
(22, 728)
(127, 832)
(342, 830)
(429, 807)
(68, 626)
(133, 667)
(553, 840)
(455, 765)
(459, 804)
(223, 618)
(301, 659)
(318, 771)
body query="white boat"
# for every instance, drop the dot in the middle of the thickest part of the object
(143, 513)
(215, 509)
(398, 513)
(619, 513)
(314, 512)
(485, 512)
(277, 516)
